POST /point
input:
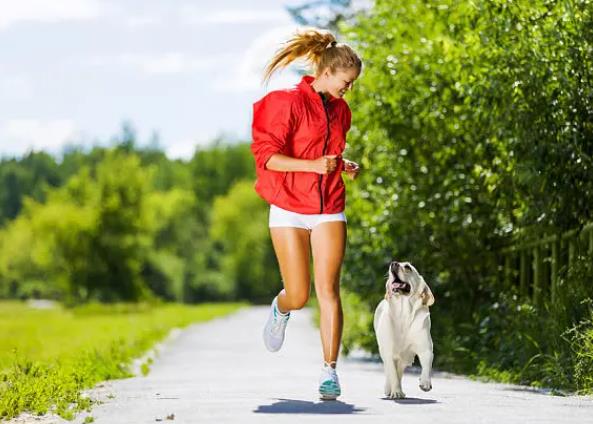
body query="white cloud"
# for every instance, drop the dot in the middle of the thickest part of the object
(142, 21)
(362, 5)
(181, 149)
(15, 11)
(20, 135)
(195, 15)
(15, 87)
(248, 74)
(184, 148)
(161, 63)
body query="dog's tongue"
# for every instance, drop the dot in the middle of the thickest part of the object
(400, 285)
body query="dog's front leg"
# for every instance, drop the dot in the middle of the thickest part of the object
(425, 358)
(399, 373)
(390, 373)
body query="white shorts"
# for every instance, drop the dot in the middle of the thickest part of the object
(282, 218)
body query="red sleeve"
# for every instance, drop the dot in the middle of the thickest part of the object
(272, 125)
(346, 122)
(347, 119)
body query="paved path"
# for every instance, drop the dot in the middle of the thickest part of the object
(220, 372)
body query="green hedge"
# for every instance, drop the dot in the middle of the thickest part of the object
(472, 122)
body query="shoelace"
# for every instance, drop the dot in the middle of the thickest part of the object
(279, 320)
(332, 373)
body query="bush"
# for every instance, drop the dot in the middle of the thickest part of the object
(472, 123)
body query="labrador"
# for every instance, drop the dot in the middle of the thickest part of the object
(402, 327)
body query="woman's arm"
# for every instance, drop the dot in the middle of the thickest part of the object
(280, 162)
(323, 165)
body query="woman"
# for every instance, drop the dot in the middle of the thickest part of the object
(298, 139)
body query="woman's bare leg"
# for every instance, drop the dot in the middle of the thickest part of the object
(292, 249)
(328, 241)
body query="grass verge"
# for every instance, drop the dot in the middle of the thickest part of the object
(47, 357)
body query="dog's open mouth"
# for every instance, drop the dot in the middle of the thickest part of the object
(399, 285)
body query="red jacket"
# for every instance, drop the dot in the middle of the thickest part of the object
(294, 122)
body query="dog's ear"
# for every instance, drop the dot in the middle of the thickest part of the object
(426, 295)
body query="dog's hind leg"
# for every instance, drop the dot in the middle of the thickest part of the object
(426, 363)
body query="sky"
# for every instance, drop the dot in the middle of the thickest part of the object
(73, 71)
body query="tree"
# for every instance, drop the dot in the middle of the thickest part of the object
(240, 228)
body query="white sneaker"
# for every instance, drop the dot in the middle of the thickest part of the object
(329, 385)
(275, 327)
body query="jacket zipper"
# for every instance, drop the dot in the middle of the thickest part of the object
(324, 147)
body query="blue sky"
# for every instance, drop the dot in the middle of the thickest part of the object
(71, 71)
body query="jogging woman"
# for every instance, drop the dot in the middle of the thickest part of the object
(298, 138)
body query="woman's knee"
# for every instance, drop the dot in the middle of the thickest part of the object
(328, 293)
(297, 301)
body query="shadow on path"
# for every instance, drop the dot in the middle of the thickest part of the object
(307, 407)
(411, 401)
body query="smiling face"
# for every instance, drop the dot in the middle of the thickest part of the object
(404, 279)
(338, 83)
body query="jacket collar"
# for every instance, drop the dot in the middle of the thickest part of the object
(305, 86)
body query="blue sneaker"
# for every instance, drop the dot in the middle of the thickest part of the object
(329, 385)
(275, 327)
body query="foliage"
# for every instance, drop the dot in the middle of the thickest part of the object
(239, 229)
(216, 168)
(581, 339)
(472, 126)
(32, 175)
(121, 223)
(547, 346)
(471, 122)
(358, 318)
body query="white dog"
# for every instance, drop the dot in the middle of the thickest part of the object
(402, 327)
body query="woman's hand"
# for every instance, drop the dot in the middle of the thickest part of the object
(351, 168)
(325, 164)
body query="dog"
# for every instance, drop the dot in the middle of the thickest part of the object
(402, 327)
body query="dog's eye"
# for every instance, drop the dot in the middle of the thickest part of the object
(406, 266)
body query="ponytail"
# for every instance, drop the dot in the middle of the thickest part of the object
(319, 47)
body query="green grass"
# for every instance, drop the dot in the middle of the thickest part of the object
(48, 356)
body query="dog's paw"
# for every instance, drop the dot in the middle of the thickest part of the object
(425, 385)
(395, 394)
(399, 395)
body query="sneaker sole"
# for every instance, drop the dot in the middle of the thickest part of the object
(329, 391)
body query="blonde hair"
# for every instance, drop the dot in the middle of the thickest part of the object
(319, 47)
